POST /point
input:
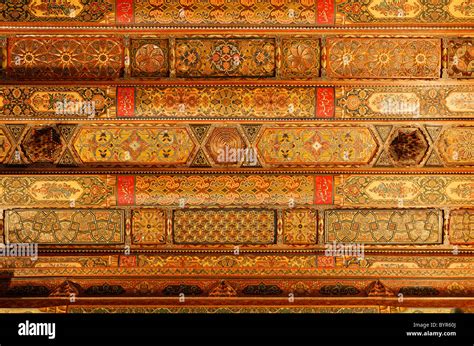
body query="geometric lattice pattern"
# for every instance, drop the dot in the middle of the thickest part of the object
(60, 227)
(384, 226)
(224, 226)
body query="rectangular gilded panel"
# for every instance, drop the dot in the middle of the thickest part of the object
(300, 226)
(226, 189)
(226, 102)
(404, 102)
(149, 226)
(239, 101)
(64, 58)
(461, 226)
(404, 190)
(220, 57)
(231, 12)
(150, 145)
(65, 226)
(50, 11)
(290, 146)
(461, 57)
(244, 146)
(44, 101)
(56, 191)
(384, 226)
(404, 12)
(383, 57)
(224, 226)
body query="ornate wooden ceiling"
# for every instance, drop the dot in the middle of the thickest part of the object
(205, 156)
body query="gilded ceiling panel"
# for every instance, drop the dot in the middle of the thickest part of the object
(64, 226)
(272, 13)
(383, 58)
(234, 151)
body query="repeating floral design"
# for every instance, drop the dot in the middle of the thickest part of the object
(378, 226)
(254, 208)
(226, 102)
(55, 58)
(232, 12)
(149, 57)
(383, 58)
(240, 145)
(238, 12)
(65, 226)
(464, 7)
(461, 58)
(229, 226)
(224, 189)
(207, 57)
(396, 9)
(419, 267)
(225, 57)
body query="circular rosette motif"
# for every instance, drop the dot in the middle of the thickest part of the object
(27, 56)
(420, 59)
(381, 56)
(149, 58)
(226, 58)
(104, 57)
(67, 55)
(225, 145)
(302, 57)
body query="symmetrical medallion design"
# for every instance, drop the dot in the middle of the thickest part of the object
(224, 58)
